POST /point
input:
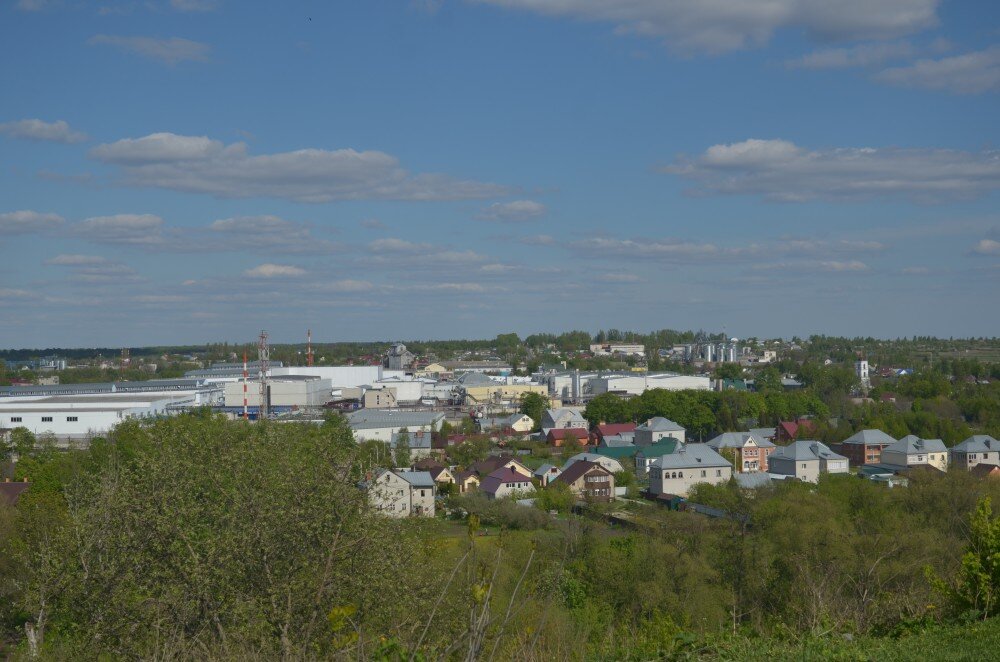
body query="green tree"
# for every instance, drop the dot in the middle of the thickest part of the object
(728, 371)
(976, 589)
(555, 496)
(401, 452)
(534, 405)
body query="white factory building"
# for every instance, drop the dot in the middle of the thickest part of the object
(290, 391)
(75, 418)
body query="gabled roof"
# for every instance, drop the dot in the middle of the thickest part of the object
(870, 438)
(607, 429)
(977, 443)
(617, 452)
(580, 434)
(437, 471)
(691, 456)
(364, 419)
(574, 471)
(501, 476)
(804, 450)
(762, 433)
(417, 478)
(545, 469)
(912, 444)
(474, 379)
(593, 457)
(660, 424)
(981, 470)
(618, 440)
(492, 463)
(738, 440)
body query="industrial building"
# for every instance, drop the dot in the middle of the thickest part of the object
(282, 392)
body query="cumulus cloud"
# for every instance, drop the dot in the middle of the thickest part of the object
(198, 164)
(373, 224)
(861, 55)
(75, 260)
(718, 27)
(169, 51)
(971, 73)
(268, 270)
(512, 212)
(395, 245)
(33, 5)
(39, 130)
(26, 221)
(852, 265)
(987, 247)
(268, 233)
(143, 230)
(780, 170)
(12, 293)
(653, 248)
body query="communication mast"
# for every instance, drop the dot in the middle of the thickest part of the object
(246, 411)
(124, 364)
(263, 358)
(309, 348)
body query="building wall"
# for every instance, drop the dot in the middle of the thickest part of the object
(680, 481)
(936, 459)
(422, 501)
(509, 489)
(860, 454)
(807, 470)
(346, 375)
(390, 495)
(379, 398)
(595, 485)
(969, 460)
(385, 434)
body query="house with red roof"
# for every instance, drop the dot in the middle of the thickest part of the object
(787, 431)
(558, 436)
(610, 429)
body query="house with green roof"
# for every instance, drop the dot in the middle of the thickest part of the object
(649, 454)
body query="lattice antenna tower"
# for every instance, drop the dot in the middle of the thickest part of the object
(246, 409)
(309, 347)
(124, 364)
(264, 359)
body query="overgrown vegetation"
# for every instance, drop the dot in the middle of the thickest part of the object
(196, 537)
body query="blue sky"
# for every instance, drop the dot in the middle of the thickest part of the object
(192, 171)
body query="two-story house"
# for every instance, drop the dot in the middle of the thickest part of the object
(401, 493)
(911, 450)
(657, 428)
(676, 473)
(589, 481)
(563, 418)
(749, 453)
(977, 449)
(865, 447)
(805, 460)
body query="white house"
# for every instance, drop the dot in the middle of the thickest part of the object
(977, 449)
(806, 460)
(563, 418)
(505, 482)
(609, 463)
(912, 450)
(657, 428)
(380, 424)
(676, 473)
(402, 493)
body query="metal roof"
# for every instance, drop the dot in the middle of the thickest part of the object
(691, 456)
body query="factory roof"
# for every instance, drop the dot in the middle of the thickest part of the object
(381, 418)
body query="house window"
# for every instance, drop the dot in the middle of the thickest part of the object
(803, 465)
(15, 419)
(718, 473)
(703, 474)
(72, 419)
(46, 419)
(422, 493)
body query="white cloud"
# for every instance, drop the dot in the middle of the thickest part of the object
(76, 260)
(198, 164)
(861, 55)
(987, 247)
(9, 293)
(652, 248)
(169, 51)
(782, 171)
(619, 278)
(852, 265)
(194, 5)
(270, 234)
(36, 129)
(512, 212)
(33, 5)
(971, 73)
(274, 271)
(26, 221)
(373, 224)
(144, 230)
(718, 26)
(160, 298)
(394, 245)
